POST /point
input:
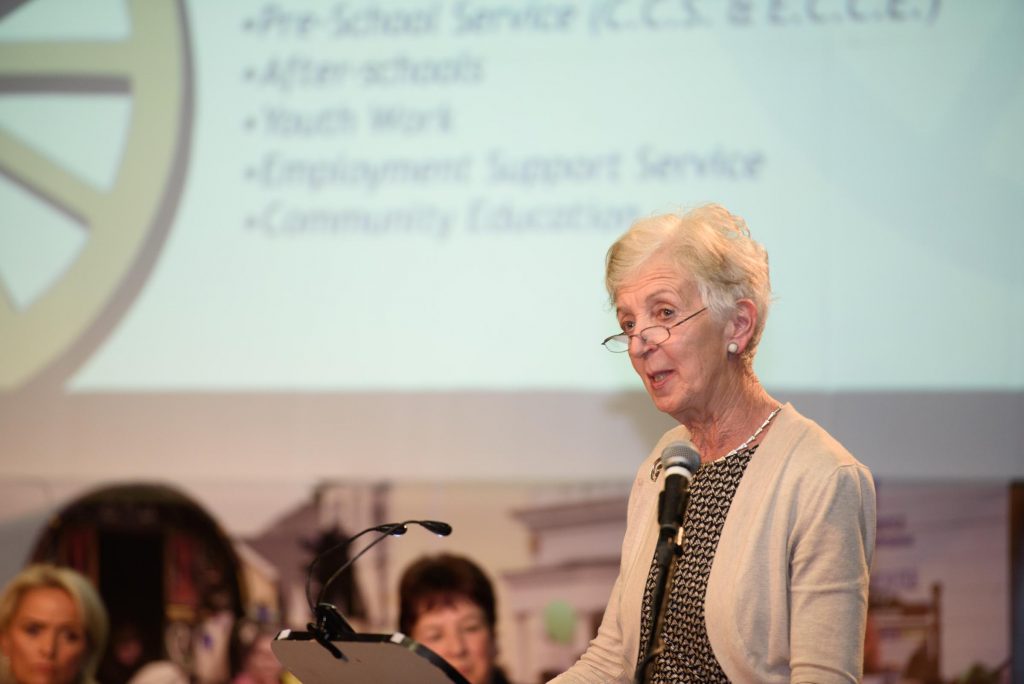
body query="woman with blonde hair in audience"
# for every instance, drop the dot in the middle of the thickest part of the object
(53, 628)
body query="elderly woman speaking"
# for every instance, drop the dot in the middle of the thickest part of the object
(772, 581)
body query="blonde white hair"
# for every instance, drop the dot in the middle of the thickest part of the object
(708, 243)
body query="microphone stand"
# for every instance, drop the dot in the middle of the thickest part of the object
(329, 623)
(665, 554)
(680, 461)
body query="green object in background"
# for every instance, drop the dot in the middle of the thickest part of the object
(560, 622)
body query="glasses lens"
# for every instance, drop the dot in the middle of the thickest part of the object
(617, 344)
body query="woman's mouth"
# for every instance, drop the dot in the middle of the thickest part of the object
(658, 379)
(44, 673)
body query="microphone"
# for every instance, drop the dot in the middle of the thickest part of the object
(679, 461)
(330, 625)
(441, 529)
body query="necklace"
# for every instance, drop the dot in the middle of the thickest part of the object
(656, 469)
(757, 432)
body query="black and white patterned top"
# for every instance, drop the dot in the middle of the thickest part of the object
(688, 656)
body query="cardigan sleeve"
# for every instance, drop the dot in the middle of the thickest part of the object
(831, 547)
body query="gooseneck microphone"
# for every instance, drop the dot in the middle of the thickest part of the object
(679, 462)
(330, 625)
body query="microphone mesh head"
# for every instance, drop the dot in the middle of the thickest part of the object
(442, 529)
(680, 455)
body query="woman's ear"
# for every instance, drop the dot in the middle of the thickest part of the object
(741, 326)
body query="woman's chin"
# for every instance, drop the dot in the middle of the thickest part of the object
(480, 676)
(666, 403)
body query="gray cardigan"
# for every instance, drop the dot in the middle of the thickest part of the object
(787, 595)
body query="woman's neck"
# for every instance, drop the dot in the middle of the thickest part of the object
(737, 414)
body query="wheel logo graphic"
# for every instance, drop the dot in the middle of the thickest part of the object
(123, 226)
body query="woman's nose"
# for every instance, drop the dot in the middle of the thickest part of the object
(638, 344)
(455, 645)
(49, 644)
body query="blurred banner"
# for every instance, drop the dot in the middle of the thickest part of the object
(940, 587)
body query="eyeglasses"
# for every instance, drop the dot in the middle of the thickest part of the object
(656, 334)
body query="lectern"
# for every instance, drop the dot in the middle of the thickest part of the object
(362, 659)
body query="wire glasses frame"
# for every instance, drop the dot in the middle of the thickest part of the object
(655, 334)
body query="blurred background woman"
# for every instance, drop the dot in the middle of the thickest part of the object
(779, 531)
(253, 659)
(53, 628)
(447, 604)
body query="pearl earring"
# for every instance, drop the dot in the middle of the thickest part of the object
(733, 348)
